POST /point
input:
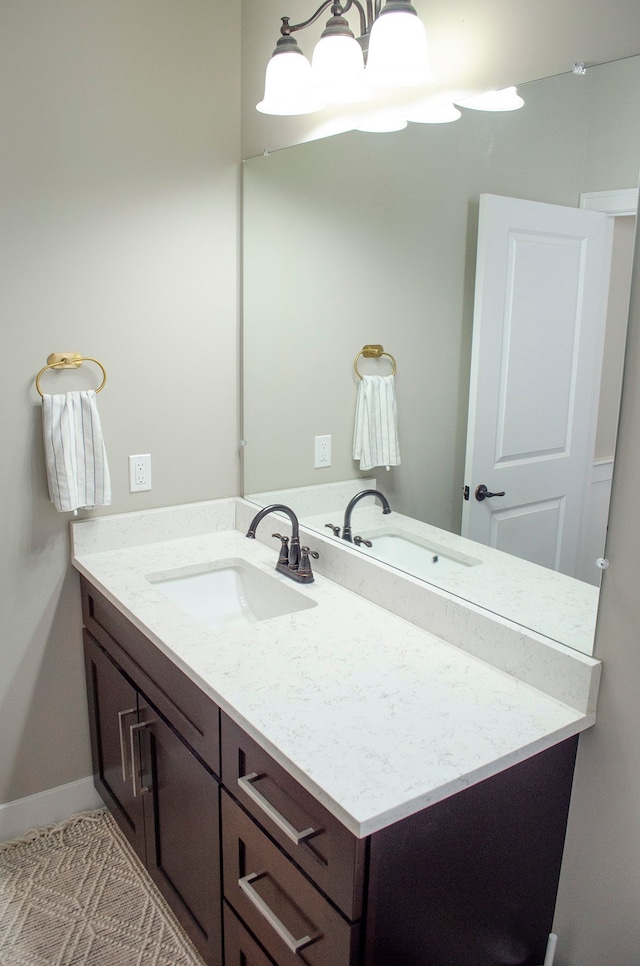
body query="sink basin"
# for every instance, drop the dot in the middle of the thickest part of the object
(424, 558)
(228, 593)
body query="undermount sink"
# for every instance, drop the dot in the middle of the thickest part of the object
(423, 558)
(228, 593)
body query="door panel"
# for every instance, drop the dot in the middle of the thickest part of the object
(113, 704)
(539, 527)
(539, 324)
(182, 822)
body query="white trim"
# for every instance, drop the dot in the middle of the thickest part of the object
(602, 470)
(45, 808)
(623, 201)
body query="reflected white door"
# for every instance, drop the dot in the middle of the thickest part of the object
(538, 333)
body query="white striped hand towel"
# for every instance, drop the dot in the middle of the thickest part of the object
(375, 436)
(77, 470)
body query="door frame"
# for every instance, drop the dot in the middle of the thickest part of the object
(621, 202)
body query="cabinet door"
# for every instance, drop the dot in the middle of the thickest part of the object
(113, 709)
(240, 948)
(181, 800)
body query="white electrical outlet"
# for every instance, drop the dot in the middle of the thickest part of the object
(323, 451)
(139, 472)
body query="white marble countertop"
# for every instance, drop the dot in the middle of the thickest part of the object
(374, 716)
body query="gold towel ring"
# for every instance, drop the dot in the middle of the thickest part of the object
(373, 352)
(69, 360)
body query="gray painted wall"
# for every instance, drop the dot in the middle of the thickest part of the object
(120, 221)
(597, 912)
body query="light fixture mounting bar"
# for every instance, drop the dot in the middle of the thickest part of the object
(366, 19)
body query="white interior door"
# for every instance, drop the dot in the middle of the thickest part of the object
(539, 322)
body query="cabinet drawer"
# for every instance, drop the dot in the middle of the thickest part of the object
(330, 854)
(188, 709)
(290, 918)
(240, 948)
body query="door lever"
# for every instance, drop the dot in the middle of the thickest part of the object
(482, 493)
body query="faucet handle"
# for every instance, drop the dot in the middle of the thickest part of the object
(304, 567)
(310, 553)
(284, 549)
(359, 540)
(336, 530)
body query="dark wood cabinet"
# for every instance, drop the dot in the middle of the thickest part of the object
(182, 829)
(113, 705)
(331, 856)
(469, 881)
(240, 948)
(163, 796)
(285, 911)
(260, 873)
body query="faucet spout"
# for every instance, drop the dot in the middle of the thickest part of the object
(346, 529)
(292, 568)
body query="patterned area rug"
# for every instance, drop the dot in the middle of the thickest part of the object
(75, 894)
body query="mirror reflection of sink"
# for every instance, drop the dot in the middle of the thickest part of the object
(424, 558)
(229, 592)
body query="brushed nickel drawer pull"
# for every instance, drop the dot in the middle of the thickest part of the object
(281, 930)
(123, 743)
(246, 784)
(133, 729)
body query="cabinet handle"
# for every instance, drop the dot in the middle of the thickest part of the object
(136, 768)
(246, 784)
(123, 743)
(278, 927)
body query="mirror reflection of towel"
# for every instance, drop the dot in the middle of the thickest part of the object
(375, 435)
(76, 460)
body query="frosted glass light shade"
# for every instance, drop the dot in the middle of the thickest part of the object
(398, 55)
(506, 99)
(337, 70)
(288, 88)
(436, 114)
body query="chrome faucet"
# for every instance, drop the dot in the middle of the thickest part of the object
(346, 529)
(293, 560)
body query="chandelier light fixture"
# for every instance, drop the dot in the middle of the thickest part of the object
(390, 52)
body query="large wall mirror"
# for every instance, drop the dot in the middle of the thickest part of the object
(361, 239)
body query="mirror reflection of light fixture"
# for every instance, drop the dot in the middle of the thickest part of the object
(506, 99)
(433, 114)
(392, 38)
(381, 122)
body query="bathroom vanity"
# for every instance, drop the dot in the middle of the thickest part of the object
(333, 786)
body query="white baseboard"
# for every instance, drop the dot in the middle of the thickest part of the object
(46, 808)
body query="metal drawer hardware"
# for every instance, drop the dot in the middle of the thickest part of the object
(136, 768)
(246, 784)
(290, 941)
(123, 741)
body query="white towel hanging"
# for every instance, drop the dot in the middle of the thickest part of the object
(375, 436)
(75, 455)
